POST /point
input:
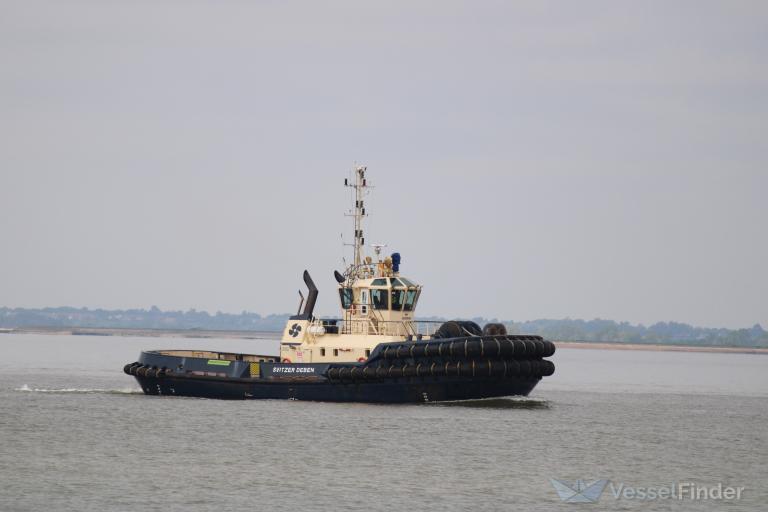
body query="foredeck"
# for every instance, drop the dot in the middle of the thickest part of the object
(221, 356)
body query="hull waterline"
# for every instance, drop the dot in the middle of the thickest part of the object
(395, 391)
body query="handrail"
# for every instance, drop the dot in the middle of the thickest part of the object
(366, 326)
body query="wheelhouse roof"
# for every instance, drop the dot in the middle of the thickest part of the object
(384, 282)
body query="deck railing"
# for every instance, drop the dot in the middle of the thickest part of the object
(378, 327)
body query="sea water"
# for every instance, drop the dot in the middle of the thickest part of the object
(76, 433)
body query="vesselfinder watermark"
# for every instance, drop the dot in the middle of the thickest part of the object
(590, 491)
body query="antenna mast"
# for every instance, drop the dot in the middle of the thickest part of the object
(360, 185)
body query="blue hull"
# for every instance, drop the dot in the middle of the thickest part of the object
(417, 389)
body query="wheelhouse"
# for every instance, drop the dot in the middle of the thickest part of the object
(382, 294)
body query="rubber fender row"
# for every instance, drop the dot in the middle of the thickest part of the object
(457, 328)
(494, 347)
(473, 368)
(139, 370)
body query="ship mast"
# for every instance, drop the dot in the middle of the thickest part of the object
(358, 212)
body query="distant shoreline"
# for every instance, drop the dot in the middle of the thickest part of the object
(593, 345)
(148, 333)
(273, 335)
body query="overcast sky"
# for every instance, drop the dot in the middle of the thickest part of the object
(532, 159)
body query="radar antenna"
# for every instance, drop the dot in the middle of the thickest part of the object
(377, 248)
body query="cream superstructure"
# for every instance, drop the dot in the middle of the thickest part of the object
(377, 304)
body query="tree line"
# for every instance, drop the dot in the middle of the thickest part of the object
(597, 330)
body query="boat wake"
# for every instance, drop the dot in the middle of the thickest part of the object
(83, 391)
(499, 403)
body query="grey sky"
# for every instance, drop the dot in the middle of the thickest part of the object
(532, 159)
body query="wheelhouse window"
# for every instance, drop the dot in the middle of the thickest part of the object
(398, 298)
(379, 282)
(346, 297)
(379, 298)
(411, 297)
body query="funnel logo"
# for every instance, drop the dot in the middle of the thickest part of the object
(295, 330)
(579, 491)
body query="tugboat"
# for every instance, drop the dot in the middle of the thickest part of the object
(376, 352)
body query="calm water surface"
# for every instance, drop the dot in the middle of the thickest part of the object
(77, 434)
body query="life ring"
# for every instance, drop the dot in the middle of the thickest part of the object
(286, 360)
(361, 359)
